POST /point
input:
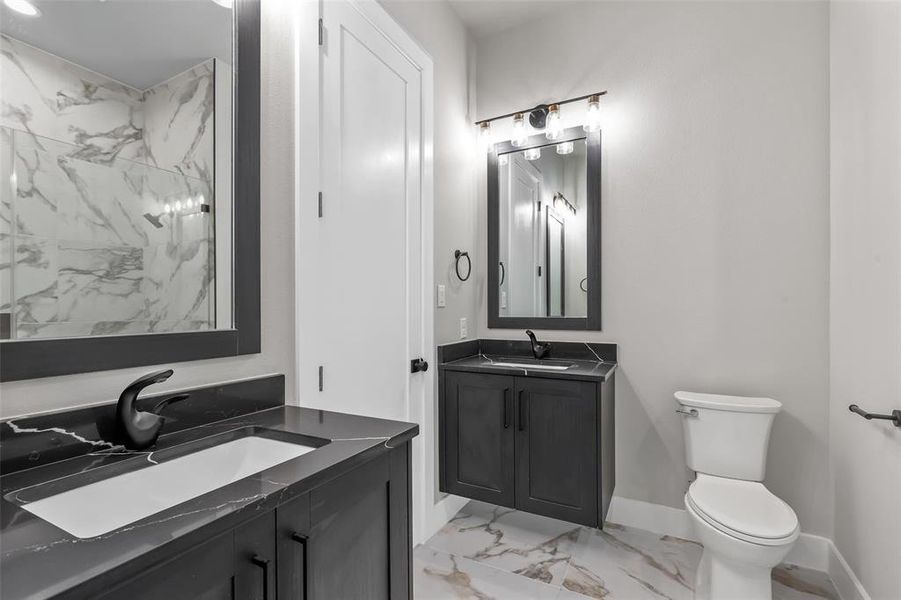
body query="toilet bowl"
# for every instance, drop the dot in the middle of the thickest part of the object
(745, 529)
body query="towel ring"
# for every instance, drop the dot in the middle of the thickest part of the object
(457, 256)
(583, 285)
(503, 274)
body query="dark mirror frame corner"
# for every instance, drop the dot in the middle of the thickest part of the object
(32, 359)
(592, 321)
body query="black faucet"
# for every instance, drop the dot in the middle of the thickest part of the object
(140, 429)
(539, 349)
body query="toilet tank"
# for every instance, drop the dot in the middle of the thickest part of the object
(726, 436)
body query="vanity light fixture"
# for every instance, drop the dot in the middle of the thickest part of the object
(532, 154)
(547, 118)
(562, 205)
(554, 125)
(565, 148)
(593, 118)
(520, 138)
(485, 136)
(23, 7)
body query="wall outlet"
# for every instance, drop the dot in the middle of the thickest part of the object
(463, 330)
(442, 296)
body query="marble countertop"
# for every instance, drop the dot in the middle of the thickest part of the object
(582, 370)
(39, 560)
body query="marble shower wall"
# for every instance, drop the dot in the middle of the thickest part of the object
(91, 164)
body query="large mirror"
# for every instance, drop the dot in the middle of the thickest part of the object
(118, 195)
(544, 232)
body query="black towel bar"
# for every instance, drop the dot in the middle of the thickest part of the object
(895, 417)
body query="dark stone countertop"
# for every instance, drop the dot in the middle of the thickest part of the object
(589, 361)
(39, 560)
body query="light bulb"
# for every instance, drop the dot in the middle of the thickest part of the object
(178, 205)
(519, 131)
(532, 154)
(167, 208)
(565, 148)
(593, 118)
(502, 160)
(553, 125)
(485, 135)
(23, 7)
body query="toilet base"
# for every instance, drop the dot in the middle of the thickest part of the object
(718, 579)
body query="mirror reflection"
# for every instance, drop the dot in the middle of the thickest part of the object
(542, 237)
(115, 163)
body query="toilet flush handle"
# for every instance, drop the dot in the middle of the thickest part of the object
(691, 412)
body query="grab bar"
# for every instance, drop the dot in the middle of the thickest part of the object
(895, 417)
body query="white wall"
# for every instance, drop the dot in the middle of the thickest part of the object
(715, 209)
(441, 33)
(865, 326)
(277, 217)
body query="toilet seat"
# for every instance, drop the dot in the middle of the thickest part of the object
(743, 509)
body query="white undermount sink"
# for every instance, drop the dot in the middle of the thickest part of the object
(103, 506)
(530, 366)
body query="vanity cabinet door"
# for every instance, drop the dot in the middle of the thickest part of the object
(556, 449)
(478, 437)
(255, 559)
(205, 572)
(293, 538)
(359, 544)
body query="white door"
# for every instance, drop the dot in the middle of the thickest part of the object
(369, 273)
(523, 286)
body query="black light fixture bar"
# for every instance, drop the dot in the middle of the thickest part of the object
(528, 110)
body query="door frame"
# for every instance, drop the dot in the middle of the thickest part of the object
(430, 510)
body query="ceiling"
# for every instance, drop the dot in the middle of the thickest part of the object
(137, 42)
(485, 18)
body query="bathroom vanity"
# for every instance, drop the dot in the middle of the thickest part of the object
(332, 522)
(535, 435)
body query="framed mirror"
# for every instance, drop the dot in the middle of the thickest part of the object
(544, 233)
(129, 184)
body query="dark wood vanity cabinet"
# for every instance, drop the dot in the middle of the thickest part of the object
(537, 444)
(347, 538)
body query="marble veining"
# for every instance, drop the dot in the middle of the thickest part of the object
(87, 245)
(489, 552)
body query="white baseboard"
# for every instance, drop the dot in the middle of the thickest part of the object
(437, 517)
(846, 582)
(811, 551)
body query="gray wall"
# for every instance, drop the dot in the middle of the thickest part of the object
(17, 398)
(716, 224)
(865, 282)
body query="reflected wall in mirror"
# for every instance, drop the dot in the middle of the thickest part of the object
(544, 233)
(116, 168)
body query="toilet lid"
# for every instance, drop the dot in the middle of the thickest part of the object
(745, 508)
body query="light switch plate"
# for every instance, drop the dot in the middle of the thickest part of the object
(503, 299)
(463, 328)
(442, 296)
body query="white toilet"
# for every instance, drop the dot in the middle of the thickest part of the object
(745, 529)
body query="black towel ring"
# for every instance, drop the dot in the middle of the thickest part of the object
(583, 285)
(503, 274)
(457, 256)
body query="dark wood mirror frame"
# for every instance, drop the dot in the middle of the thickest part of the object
(591, 322)
(30, 359)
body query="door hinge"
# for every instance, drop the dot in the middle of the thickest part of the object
(321, 32)
(320, 205)
(320, 378)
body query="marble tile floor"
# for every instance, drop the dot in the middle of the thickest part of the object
(489, 552)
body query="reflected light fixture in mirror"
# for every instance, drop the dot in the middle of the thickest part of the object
(554, 126)
(519, 138)
(532, 154)
(565, 148)
(593, 118)
(502, 160)
(23, 7)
